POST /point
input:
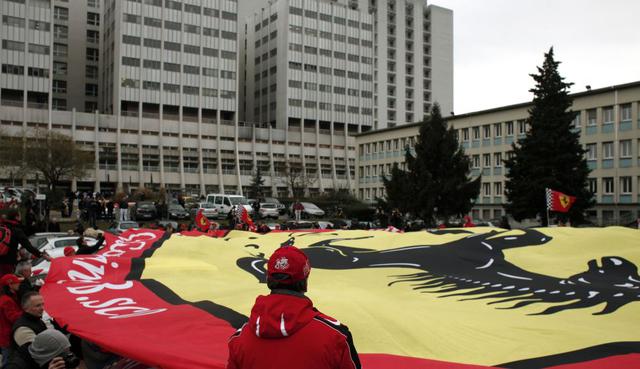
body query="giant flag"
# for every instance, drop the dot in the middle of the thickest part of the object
(453, 298)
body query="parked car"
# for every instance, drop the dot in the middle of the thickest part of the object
(176, 211)
(123, 226)
(55, 248)
(38, 240)
(269, 210)
(224, 202)
(310, 210)
(144, 210)
(272, 200)
(208, 210)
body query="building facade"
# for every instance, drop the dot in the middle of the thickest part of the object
(608, 120)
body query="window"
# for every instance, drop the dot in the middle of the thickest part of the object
(625, 148)
(149, 42)
(93, 3)
(39, 25)
(607, 115)
(592, 151)
(154, 22)
(522, 127)
(91, 89)
(486, 131)
(607, 185)
(191, 49)
(486, 189)
(8, 20)
(191, 69)
(607, 150)
(12, 69)
(497, 188)
(195, 9)
(625, 185)
(171, 4)
(190, 28)
(133, 62)
(169, 87)
(476, 161)
(207, 51)
(131, 40)
(60, 31)
(130, 18)
(231, 55)
(59, 86)
(625, 112)
(486, 160)
(92, 54)
(476, 133)
(128, 82)
(91, 71)
(60, 13)
(175, 26)
(509, 128)
(59, 104)
(38, 49)
(211, 12)
(592, 115)
(93, 19)
(465, 134)
(593, 185)
(93, 36)
(575, 123)
(229, 16)
(60, 68)
(497, 159)
(151, 85)
(209, 72)
(151, 64)
(497, 129)
(172, 67)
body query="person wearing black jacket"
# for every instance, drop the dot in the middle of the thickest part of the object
(29, 324)
(84, 249)
(9, 260)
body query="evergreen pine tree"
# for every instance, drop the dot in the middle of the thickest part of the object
(257, 182)
(550, 155)
(436, 184)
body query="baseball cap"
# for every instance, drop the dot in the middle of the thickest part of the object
(47, 345)
(291, 261)
(8, 279)
(69, 250)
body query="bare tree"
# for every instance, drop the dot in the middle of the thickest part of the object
(54, 155)
(297, 180)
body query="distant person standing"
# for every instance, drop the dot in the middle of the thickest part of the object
(124, 209)
(297, 210)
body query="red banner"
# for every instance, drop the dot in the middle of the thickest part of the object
(202, 222)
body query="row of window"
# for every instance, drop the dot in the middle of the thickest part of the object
(171, 87)
(312, 86)
(60, 86)
(608, 113)
(177, 26)
(608, 185)
(174, 46)
(329, 36)
(190, 8)
(624, 150)
(325, 52)
(328, 71)
(19, 70)
(19, 46)
(327, 106)
(173, 67)
(387, 145)
(497, 130)
(328, 18)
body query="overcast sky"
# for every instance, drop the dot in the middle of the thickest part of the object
(498, 43)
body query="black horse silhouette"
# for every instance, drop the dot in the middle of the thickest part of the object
(474, 267)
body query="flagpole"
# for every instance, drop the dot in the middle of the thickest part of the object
(546, 195)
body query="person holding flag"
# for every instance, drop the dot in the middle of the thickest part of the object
(202, 222)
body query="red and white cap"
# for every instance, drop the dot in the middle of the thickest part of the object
(291, 261)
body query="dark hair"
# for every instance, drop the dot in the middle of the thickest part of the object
(280, 281)
(27, 297)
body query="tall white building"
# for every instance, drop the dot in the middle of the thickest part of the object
(412, 54)
(308, 68)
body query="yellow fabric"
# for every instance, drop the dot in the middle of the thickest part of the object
(399, 320)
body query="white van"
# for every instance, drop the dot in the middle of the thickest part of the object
(223, 203)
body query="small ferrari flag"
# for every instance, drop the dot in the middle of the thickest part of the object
(246, 219)
(557, 201)
(202, 222)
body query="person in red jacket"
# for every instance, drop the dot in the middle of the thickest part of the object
(10, 311)
(284, 325)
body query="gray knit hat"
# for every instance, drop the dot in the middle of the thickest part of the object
(47, 345)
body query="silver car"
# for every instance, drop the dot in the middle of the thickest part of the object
(269, 210)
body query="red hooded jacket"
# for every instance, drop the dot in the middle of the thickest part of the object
(10, 311)
(286, 331)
